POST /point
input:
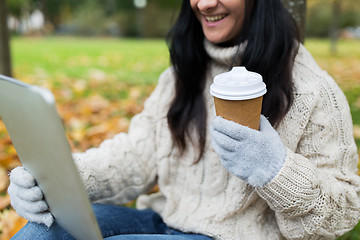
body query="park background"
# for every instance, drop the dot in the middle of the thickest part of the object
(101, 59)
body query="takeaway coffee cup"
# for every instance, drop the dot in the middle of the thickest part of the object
(238, 96)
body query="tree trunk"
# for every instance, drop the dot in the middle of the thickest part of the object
(297, 9)
(5, 61)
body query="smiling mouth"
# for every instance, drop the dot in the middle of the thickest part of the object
(215, 18)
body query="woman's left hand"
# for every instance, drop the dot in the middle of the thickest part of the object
(254, 156)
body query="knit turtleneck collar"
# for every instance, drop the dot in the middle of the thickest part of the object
(224, 55)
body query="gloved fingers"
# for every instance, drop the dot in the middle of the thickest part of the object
(270, 134)
(233, 129)
(223, 141)
(32, 194)
(224, 154)
(41, 218)
(265, 125)
(27, 194)
(28, 206)
(21, 177)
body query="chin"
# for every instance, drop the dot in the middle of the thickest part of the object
(222, 43)
(220, 40)
(215, 40)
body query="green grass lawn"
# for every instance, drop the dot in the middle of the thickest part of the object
(115, 64)
(109, 66)
(137, 61)
(61, 62)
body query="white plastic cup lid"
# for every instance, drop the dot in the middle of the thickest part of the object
(238, 84)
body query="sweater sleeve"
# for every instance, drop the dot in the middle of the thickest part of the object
(316, 194)
(125, 166)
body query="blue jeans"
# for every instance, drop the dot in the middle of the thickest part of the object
(115, 223)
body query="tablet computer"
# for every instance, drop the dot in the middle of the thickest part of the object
(36, 130)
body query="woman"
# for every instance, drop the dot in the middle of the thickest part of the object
(293, 179)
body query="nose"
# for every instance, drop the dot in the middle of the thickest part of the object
(205, 5)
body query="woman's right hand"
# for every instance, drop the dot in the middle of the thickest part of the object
(27, 198)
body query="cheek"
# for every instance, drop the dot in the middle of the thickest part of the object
(239, 14)
(239, 21)
(193, 5)
(239, 25)
(194, 8)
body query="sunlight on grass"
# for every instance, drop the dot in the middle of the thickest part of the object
(126, 60)
(344, 65)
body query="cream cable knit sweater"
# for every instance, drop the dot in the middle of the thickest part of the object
(314, 196)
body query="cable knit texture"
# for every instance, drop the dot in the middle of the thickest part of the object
(315, 195)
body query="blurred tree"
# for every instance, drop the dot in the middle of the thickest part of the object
(334, 28)
(5, 60)
(320, 16)
(51, 10)
(297, 9)
(152, 21)
(56, 12)
(20, 10)
(18, 7)
(124, 4)
(169, 4)
(15, 7)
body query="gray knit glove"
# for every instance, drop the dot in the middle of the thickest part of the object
(27, 198)
(254, 156)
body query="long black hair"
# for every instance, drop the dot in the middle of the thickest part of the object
(271, 44)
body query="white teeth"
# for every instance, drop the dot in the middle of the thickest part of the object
(215, 18)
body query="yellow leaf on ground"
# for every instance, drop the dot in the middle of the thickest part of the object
(356, 131)
(9, 161)
(10, 223)
(4, 179)
(4, 201)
